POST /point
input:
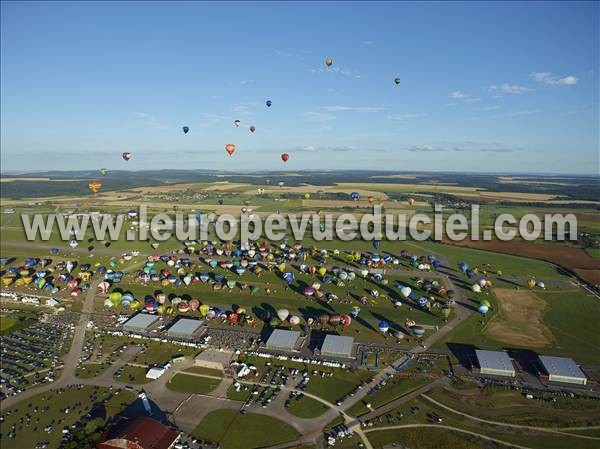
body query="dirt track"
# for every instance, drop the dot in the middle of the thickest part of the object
(520, 321)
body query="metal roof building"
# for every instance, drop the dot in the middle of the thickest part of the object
(283, 340)
(496, 363)
(184, 328)
(337, 346)
(562, 369)
(140, 322)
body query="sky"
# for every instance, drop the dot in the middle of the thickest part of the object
(485, 87)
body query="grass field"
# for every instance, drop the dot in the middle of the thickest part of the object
(233, 430)
(393, 390)
(133, 375)
(185, 383)
(423, 439)
(29, 420)
(90, 370)
(528, 438)
(306, 407)
(513, 407)
(205, 371)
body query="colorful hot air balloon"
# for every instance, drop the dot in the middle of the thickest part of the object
(294, 320)
(126, 155)
(95, 185)
(329, 62)
(104, 171)
(384, 326)
(285, 157)
(252, 128)
(237, 123)
(269, 103)
(230, 148)
(185, 129)
(355, 196)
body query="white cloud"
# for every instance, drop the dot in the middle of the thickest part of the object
(246, 82)
(457, 94)
(552, 80)
(425, 149)
(345, 72)
(472, 100)
(313, 116)
(313, 149)
(367, 42)
(513, 89)
(212, 118)
(404, 117)
(354, 108)
(487, 108)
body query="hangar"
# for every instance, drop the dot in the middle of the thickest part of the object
(140, 322)
(495, 363)
(562, 369)
(283, 340)
(337, 346)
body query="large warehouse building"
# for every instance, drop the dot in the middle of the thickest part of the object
(140, 322)
(185, 328)
(283, 340)
(495, 363)
(561, 369)
(337, 346)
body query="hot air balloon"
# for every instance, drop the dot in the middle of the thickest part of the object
(355, 196)
(397, 80)
(355, 311)
(418, 331)
(294, 320)
(384, 326)
(541, 285)
(285, 157)
(446, 312)
(252, 128)
(237, 123)
(95, 185)
(411, 201)
(370, 199)
(282, 314)
(230, 148)
(185, 129)
(405, 291)
(268, 103)
(126, 155)
(531, 283)
(476, 288)
(103, 171)
(329, 62)
(346, 320)
(483, 309)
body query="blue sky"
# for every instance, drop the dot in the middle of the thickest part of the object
(485, 87)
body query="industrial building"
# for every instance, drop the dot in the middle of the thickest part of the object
(184, 328)
(140, 322)
(337, 346)
(283, 340)
(562, 369)
(495, 363)
(155, 372)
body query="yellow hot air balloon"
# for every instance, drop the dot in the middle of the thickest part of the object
(7, 280)
(204, 308)
(411, 201)
(306, 196)
(329, 62)
(281, 266)
(135, 304)
(531, 283)
(95, 185)
(27, 280)
(322, 271)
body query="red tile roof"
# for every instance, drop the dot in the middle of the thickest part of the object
(140, 433)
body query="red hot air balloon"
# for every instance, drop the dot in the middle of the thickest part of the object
(94, 185)
(285, 157)
(230, 148)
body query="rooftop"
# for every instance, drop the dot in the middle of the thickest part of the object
(337, 344)
(561, 366)
(281, 338)
(185, 326)
(140, 433)
(498, 360)
(141, 321)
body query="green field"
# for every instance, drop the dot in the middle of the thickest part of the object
(133, 375)
(47, 408)
(569, 315)
(90, 370)
(306, 407)
(186, 383)
(233, 430)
